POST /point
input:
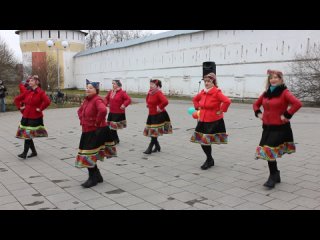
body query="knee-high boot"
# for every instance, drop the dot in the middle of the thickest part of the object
(33, 149)
(27, 144)
(98, 174)
(149, 149)
(210, 161)
(92, 180)
(274, 176)
(157, 145)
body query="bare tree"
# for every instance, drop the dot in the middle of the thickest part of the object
(8, 63)
(97, 38)
(305, 82)
(52, 73)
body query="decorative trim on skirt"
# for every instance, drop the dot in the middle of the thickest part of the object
(272, 153)
(276, 140)
(157, 125)
(94, 146)
(117, 121)
(31, 128)
(207, 133)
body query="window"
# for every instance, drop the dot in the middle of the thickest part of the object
(40, 33)
(49, 34)
(73, 35)
(58, 34)
(66, 34)
(33, 34)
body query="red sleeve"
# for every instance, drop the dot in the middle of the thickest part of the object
(107, 98)
(294, 102)
(102, 111)
(45, 101)
(257, 104)
(196, 100)
(225, 101)
(80, 112)
(18, 100)
(126, 99)
(22, 88)
(163, 101)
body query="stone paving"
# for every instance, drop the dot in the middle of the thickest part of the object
(170, 179)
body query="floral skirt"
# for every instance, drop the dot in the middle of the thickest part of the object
(207, 133)
(157, 125)
(276, 141)
(117, 121)
(95, 145)
(31, 128)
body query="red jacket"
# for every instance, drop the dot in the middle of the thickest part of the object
(211, 102)
(92, 114)
(22, 88)
(121, 97)
(158, 99)
(32, 99)
(276, 106)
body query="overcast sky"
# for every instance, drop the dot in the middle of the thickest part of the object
(12, 40)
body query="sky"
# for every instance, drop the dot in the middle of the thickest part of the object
(12, 40)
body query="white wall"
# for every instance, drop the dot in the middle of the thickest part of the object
(242, 58)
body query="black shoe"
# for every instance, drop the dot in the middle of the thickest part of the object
(157, 148)
(207, 164)
(272, 180)
(23, 155)
(92, 180)
(99, 176)
(32, 155)
(149, 149)
(270, 183)
(277, 177)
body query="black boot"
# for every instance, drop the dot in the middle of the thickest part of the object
(157, 146)
(26, 149)
(208, 164)
(149, 149)
(274, 176)
(115, 136)
(98, 174)
(92, 180)
(33, 149)
(210, 161)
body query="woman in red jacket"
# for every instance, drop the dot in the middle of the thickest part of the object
(31, 103)
(96, 141)
(117, 100)
(158, 122)
(210, 128)
(277, 137)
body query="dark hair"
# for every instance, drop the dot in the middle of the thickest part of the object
(97, 90)
(156, 82)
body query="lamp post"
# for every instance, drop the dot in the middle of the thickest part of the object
(65, 44)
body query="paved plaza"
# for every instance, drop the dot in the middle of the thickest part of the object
(171, 179)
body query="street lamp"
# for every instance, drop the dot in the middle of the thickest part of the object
(65, 44)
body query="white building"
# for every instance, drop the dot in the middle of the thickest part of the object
(175, 57)
(33, 44)
(242, 58)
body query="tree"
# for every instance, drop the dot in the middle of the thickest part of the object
(8, 63)
(96, 38)
(52, 73)
(305, 81)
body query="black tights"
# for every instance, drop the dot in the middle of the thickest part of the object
(272, 167)
(207, 150)
(28, 143)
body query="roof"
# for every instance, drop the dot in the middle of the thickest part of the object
(136, 41)
(85, 32)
